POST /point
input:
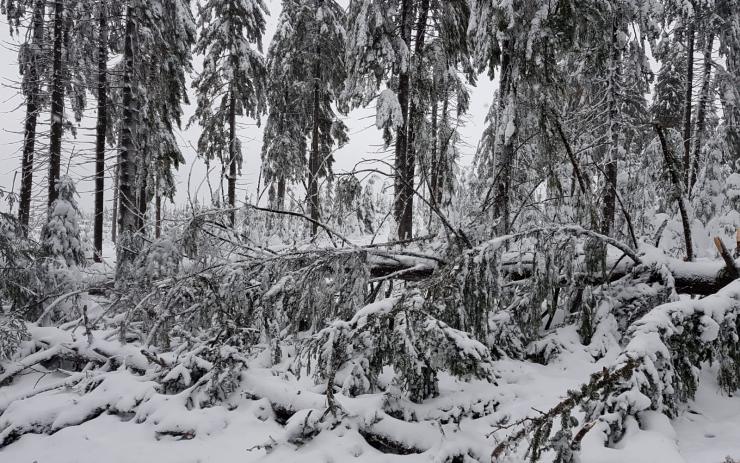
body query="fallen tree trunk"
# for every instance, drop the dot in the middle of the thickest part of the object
(698, 277)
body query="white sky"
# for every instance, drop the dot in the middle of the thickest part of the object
(365, 140)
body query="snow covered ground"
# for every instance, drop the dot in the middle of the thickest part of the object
(708, 431)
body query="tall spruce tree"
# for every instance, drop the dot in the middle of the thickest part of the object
(233, 81)
(156, 58)
(306, 75)
(386, 43)
(32, 64)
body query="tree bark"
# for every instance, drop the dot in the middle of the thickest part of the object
(403, 207)
(610, 167)
(127, 216)
(314, 157)
(416, 114)
(114, 208)
(232, 157)
(676, 179)
(281, 193)
(702, 110)
(433, 161)
(158, 218)
(57, 103)
(32, 111)
(687, 104)
(143, 195)
(505, 142)
(101, 129)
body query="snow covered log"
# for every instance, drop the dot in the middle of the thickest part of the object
(699, 277)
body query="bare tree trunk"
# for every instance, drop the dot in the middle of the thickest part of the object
(687, 104)
(32, 112)
(702, 110)
(403, 202)
(433, 162)
(416, 114)
(673, 170)
(501, 200)
(127, 216)
(116, 183)
(314, 157)
(143, 195)
(101, 129)
(281, 193)
(158, 218)
(610, 167)
(232, 157)
(443, 169)
(57, 103)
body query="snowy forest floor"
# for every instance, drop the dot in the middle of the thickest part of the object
(706, 432)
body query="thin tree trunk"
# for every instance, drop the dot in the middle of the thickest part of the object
(32, 112)
(687, 103)
(403, 202)
(101, 130)
(143, 196)
(127, 216)
(433, 174)
(415, 115)
(674, 172)
(281, 193)
(158, 217)
(443, 170)
(232, 157)
(116, 183)
(702, 110)
(501, 202)
(314, 158)
(57, 103)
(610, 167)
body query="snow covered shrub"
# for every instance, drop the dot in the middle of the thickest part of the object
(60, 237)
(669, 345)
(159, 260)
(354, 208)
(396, 332)
(18, 275)
(12, 332)
(466, 291)
(617, 305)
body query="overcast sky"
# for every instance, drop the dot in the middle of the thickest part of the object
(365, 139)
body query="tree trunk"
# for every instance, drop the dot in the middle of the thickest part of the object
(232, 157)
(403, 201)
(314, 160)
(57, 103)
(127, 216)
(281, 193)
(610, 165)
(701, 113)
(101, 129)
(116, 183)
(443, 169)
(32, 112)
(677, 185)
(158, 218)
(433, 162)
(416, 114)
(687, 105)
(501, 201)
(143, 196)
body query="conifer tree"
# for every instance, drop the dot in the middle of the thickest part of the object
(233, 81)
(306, 75)
(156, 57)
(32, 67)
